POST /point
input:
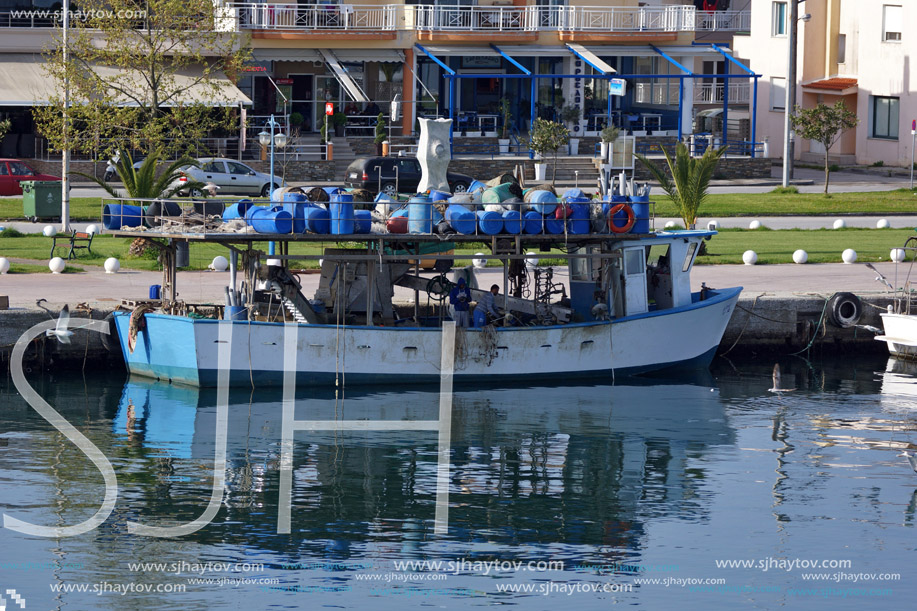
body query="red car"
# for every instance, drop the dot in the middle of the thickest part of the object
(13, 171)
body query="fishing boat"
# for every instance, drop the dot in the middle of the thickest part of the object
(630, 309)
(899, 324)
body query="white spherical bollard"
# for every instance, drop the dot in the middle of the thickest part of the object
(897, 255)
(112, 265)
(4, 265)
(479, 263)
(56, 265)
(754, 225)
(882, 224)
(750, 257)
(800, 256)
(531, 259)
(220, 263)
(92, 229)
(840, 224)
(849, 256)
(50, 231)
(670, 224)
(713, 225)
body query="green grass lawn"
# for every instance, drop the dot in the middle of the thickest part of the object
(900, 201)
(822, 245)
(81, 208)
(772, 246)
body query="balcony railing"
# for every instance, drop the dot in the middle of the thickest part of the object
(712, 93)
(450, 18)
(264, 16)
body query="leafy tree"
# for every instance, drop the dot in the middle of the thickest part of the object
(689, 180)
(380, 129)
(547, 137)
(507, 117)
(143, 182)
(824, 124)
(143, 75)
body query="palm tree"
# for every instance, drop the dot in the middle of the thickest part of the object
(142, 182)
(690, 178)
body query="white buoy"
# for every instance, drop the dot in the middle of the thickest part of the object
(840, 224)
(750, 257)
(531, 260)
(897, 255)
(50, 231)
(479, 263)
(4, 265)
(800, 256)
(670, 224)
(56, 265)
(882, 224)
(849, 256)
(713, 225)
(754, 224)
(271, 263)
(220, 263)
(112, 265)
(92, 229)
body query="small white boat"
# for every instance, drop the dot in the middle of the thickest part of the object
(899, 323)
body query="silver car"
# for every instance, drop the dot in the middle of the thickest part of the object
(230, 176)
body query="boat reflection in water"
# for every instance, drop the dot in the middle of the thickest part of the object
(567, 464)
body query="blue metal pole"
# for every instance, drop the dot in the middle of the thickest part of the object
(532, 112)
(681, 101)
(726, 105)
(271, 246)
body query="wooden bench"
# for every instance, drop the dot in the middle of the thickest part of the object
(74, 240)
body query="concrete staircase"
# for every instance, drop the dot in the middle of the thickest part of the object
(567, 168)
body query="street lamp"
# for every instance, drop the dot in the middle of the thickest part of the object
(788, 141)
(273, 139)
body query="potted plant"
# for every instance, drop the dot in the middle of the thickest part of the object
(380, 133)
(296, 121)
(546, 137)
(503, 141)
(570, 115)
(323, 137)
(339, 120)
(609, 134)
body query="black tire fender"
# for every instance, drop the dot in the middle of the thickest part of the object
(844, 310)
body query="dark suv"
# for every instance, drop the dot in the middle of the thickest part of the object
(398, 175)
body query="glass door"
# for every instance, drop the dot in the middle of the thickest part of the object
(327, 89)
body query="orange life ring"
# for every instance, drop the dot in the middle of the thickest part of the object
(631, 218)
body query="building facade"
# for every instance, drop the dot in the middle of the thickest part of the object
(858, 52)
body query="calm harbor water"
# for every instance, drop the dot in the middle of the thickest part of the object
(708, 492)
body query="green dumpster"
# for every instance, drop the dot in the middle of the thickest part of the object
(41, 199)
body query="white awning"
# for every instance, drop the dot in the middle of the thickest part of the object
(591, 58)
(23, 82)
(370, 55)
(340, 73)
(286, 55)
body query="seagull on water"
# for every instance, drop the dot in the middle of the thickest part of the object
(911, 459)
(776, 378)
(61, 332)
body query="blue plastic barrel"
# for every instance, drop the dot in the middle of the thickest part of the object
(298, 212)
(155, 290)
(542, 202)
(475, 185)
(237, 210)
(116, 216)
(318, 220)
(641, 206)
(512, 221)
(553, 226)
(577, 200)
(420, 215)
(462, 219)
(342, 220)
(267, 220)
(438, 196)
(532, 222)
(336, 191)
(578, 221)
(573, 194)
(362, 221)
(296, 198)
(235, 313)
(489, 222)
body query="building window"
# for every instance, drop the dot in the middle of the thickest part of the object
(884, 117)
(892, 19)
(778, 93)
(778, 21)
(841, 48)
